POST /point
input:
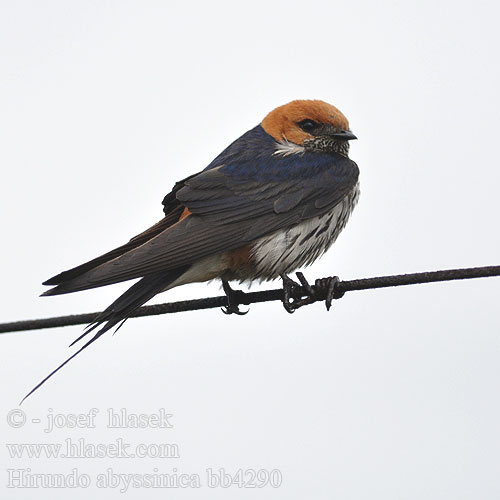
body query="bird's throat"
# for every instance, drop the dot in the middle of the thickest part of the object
(327, 145)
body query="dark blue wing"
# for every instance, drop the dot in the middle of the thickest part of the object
(308, 185)
(232, 203)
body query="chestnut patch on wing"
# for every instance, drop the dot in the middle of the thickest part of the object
(184, 214)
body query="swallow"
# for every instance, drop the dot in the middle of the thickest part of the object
(272, 202)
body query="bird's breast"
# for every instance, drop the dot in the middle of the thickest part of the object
(288, 249)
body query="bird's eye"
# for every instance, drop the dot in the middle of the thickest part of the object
(307, 125)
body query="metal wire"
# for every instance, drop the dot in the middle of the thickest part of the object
(243, 298)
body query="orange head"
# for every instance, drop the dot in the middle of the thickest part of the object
(306, 120)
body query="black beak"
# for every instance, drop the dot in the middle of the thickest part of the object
(344, 135)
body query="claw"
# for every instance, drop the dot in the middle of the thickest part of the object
(233, 309)
(328, 285)
(323, 288)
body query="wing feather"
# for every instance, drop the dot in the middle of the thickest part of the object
(230, 206)
(173, 211)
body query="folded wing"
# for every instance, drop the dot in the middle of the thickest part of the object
(229, 206)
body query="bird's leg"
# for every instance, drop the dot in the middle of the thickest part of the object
(232, 300)
(288, 287)
(324, 288)
(290, 301)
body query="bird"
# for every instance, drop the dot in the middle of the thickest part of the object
(270, 203)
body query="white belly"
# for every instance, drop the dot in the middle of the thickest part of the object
(280, 252)
(288, 249)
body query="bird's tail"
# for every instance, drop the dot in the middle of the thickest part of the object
(121, 309)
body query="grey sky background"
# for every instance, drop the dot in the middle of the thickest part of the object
(393, 394)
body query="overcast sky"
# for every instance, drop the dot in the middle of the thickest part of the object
(393, 394)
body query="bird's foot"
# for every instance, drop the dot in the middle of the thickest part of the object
(323, 289)
(233, 301)
(290, 301)
(329, 289)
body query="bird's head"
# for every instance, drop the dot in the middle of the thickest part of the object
(308, 126)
